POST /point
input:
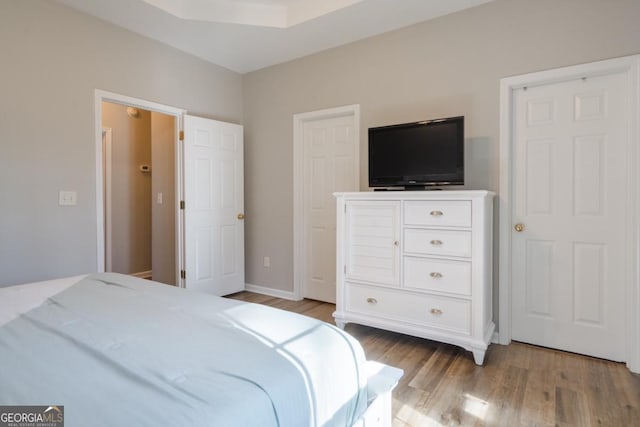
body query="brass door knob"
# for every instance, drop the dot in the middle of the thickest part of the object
(519, 227)
(240, 216)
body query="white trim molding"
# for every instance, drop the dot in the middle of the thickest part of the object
(298, 182)
(263, 290)
(630, 66)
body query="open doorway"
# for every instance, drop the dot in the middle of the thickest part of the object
(208, 173)
(140, 200)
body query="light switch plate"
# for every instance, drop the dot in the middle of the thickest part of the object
(67, 198)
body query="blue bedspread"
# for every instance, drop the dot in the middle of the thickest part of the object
(121, 351)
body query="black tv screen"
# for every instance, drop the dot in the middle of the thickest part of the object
(423, 153)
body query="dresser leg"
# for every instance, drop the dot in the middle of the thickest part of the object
(478, 356)
(340, 324)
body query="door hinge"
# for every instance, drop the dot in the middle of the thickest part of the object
(345, 269)
(181, 137)
(183, 274)
(182, 204)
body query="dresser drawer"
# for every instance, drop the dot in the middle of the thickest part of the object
(437, 242)
(437, 275)
(428, 310)
(452, 213)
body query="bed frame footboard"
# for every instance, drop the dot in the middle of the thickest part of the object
(381, 380)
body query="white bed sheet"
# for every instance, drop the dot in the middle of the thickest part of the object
(18, 299)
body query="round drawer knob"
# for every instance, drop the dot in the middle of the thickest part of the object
(372, 300)
(436, 275)
(436, 242)
(436, 213)
(436, 311)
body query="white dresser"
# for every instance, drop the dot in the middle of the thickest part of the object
(417, 262)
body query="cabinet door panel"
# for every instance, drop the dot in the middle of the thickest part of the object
(372, 242)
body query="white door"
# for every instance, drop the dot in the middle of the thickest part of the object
(570, 256)
(330, 165)
(214, 206)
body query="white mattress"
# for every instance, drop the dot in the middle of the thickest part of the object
(15, 300)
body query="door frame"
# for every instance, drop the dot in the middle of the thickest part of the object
(630, 66)
(299, 220)
(101, 96)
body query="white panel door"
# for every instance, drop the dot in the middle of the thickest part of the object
(570, 260)
(330, 165)
(214, 206)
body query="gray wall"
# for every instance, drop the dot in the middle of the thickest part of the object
(130, 188)
(446, 67)
(163, 235)
(53, 59)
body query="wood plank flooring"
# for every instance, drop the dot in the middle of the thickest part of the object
(519, 384)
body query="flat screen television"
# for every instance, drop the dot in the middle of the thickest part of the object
(415, 155)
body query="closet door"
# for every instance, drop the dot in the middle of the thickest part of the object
(569, 243)
(214, 206)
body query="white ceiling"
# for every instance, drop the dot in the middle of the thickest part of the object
(246, 35)
(266, 13)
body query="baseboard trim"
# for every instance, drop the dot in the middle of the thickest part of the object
(143, 274)
(263, 290)
(495, 339)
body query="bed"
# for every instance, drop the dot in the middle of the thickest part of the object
(117, 350)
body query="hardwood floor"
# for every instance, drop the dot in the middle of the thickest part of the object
(519, 384)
